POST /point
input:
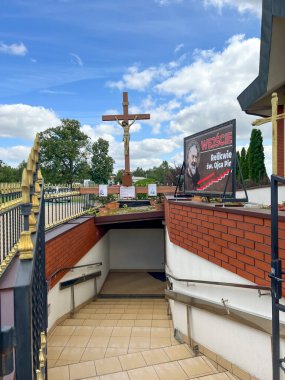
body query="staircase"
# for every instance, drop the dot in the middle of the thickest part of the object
(124, 339)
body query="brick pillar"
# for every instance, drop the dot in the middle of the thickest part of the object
(280, 147)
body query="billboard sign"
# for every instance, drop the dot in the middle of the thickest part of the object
(208, 157)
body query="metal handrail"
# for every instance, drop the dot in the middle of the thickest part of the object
(231, 284)
(69, 268)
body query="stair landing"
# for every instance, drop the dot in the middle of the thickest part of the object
(124, 339)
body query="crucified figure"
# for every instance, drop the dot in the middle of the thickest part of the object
(126, 137)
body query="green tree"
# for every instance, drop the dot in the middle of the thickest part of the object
(139, 172)
(257, 170)
(10, 174)
(102, 164)
(160, 174)
(64, 153)
(119, 176)
(244, 163)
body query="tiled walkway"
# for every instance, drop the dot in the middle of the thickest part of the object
(124, 339)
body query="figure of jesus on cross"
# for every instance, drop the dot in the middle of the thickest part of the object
(123, 121)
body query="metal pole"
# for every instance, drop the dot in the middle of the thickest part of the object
(275, 269)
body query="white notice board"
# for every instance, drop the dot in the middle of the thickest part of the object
(103, 191)
(127, 192)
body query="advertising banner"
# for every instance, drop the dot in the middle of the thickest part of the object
(208, 157)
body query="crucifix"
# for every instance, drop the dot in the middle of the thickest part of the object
(123, 121)
(274, 118)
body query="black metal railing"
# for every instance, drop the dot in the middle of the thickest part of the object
(277, 279)
(22, 278)
(64, 206)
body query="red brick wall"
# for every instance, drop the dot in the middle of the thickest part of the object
(237, 240)
(66, 249)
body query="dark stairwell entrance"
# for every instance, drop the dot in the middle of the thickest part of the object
(136, 250)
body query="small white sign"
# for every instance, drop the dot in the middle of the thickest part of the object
(127, 192)
(103, 190)
(152, 190)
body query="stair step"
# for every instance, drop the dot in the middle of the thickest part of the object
(124, 338)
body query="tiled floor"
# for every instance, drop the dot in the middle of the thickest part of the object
(132, 283)
(124, 339)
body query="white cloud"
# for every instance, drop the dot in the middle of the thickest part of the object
(14, 155)
(141, 80)
(24, 121)
(178, 48)
(13, 49)
(242, 6)
(168, 2)
(210, 86)
(76, 59)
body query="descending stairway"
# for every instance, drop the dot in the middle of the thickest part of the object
(124, 339)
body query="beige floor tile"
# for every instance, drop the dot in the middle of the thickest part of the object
(114, 316)
(103, 311)
(217, 376)
(58, 373)
(135, 350)
(60, 363)
(119, 342)
(158, 342)
(51, 363)
(99, 317)
(115, 376)
(160, 332)
(160, 316)
(141, 331)
(178, 352)
(155, 356)
(78, 341)
(98, 341)
(122, 331)
(63, 330)
(240, 373)
(81, 315)
(146, 373)
(160, 323)
(143, 323)
(132, 361)
(53, 353)
(126, 323)
(107, 365)
(73, 322)
(92, 378)
(146, 311)
(129, 316)
(139, 342)
(91, 322)
(83, 331)
(109, 323)
(170, 371)
(92, 353)
(71, 353)
(111, 352)
(196, 367)
(58, 340)
(144, 316)
(103, 331)
(81, 370)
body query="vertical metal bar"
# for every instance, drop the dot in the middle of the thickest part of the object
(274, 283)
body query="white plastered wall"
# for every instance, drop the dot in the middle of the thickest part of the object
(59, 301)
(245, 347)
(136, 249)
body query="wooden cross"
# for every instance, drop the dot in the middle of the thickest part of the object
(123, 121)
(275, 116)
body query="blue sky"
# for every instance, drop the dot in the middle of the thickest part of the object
(183, 61)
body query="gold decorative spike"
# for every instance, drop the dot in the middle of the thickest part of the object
(37, 188)
(42, 359)
(25, 187)
(30, 170)
(39, 375)
(40, 177)
(25, 246)
(32, 154)
(35, 204)
(32, 222)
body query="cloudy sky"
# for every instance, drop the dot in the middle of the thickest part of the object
(183, 61)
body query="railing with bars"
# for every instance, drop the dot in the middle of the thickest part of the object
(23, 289)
